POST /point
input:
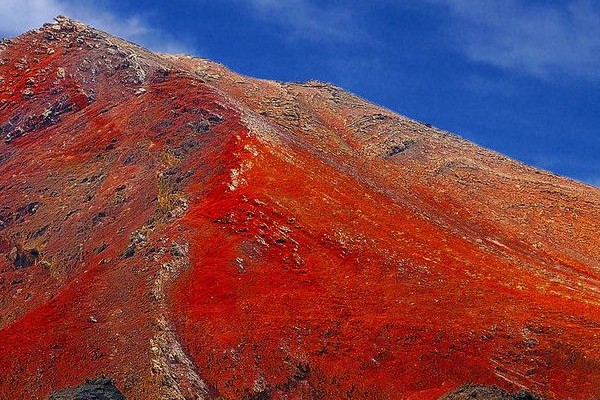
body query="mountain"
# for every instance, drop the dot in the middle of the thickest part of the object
(191, 233)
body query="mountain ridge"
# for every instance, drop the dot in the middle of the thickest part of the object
(271, 239)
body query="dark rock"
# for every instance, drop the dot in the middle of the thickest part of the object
(98, 218)
(20, 125)
(260, 395)
(129, 252)
(49, 36)
(93, 389)
(7, 130)
(130, 158)
(207, 120)
(202, 126)
(176, 250)
(402, 147)
(101, 248)
(112, 144)
(215, 119)
(16, 281)
(480, 392)
(40, 232)
(32, 207)
(22, 258)
(302, 372)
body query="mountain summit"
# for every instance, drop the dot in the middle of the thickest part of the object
(180, 231)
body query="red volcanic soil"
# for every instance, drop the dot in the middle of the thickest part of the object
(194, 233)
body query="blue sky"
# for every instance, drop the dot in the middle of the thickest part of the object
(520, 77)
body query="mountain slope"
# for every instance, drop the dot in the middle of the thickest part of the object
(194, 233)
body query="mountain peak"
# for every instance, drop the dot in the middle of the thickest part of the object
(189, 232)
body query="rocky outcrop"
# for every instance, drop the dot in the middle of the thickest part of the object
(93, 389)
(475, 392)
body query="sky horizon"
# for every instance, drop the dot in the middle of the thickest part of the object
(518, 77)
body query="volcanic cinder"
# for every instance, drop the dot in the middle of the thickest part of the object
(192, 233)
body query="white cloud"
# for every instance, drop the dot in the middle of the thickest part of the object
(18, 16)
(542, 39)
(304, 20)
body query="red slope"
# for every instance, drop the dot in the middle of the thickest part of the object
(217, 235)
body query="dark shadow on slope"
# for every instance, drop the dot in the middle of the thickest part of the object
(94, 389)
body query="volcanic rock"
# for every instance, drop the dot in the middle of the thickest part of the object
(474, 392)
(93, 389)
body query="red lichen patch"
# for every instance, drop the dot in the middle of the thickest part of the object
(284, 282)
